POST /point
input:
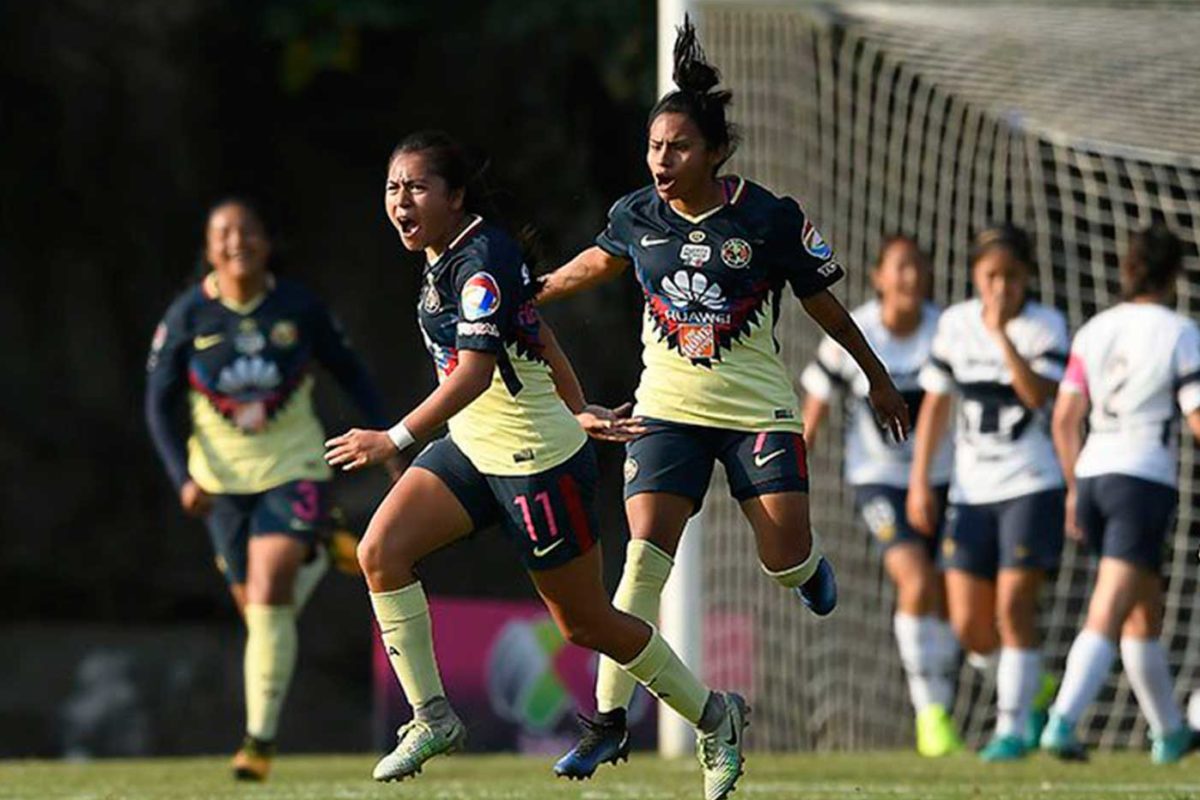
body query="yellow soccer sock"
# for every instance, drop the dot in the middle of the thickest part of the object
(799, 575)
(407, 634)
(646, 571)
(660, 670)
(270, 660)
(308, 576)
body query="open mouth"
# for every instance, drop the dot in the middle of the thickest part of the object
(408, 226)
(663, 182)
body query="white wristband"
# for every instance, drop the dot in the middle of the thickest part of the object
(401, 436)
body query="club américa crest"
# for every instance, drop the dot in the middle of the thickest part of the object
(736, 253)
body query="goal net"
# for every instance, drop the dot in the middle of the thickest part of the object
(1079, 122)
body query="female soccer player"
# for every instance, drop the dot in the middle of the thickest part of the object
(241, 345)
(899, 326)
(1003, 355)
(712, 255)
(517, 453)
(1131, 365)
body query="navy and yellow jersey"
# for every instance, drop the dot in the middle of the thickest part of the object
(247, 374)
(712, 286)
(478, 295)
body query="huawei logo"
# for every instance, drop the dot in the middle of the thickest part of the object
(248, 374)
(684, 289)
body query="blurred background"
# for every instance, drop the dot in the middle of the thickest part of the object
(120, 123)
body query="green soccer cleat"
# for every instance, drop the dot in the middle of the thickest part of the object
(1173, 746)
(720, 752)
(1059, 740)
(1039, 711)
(1004, 748)
(418, 741)
(936, 736)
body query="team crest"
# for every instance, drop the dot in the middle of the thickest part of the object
(695, 237)
(249, 340)
(480, 297)
(814, 243)
(631, 469)
(695, 255)
(736, 253)
(284, 334)
(431, 299)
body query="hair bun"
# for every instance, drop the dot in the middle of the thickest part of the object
(692, 72)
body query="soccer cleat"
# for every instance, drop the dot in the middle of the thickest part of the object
(1004, 748)
(720, 752)
(936, 736)
(1039, 711)
(601, 743)
(820, 592)
(417, 741)
(1059, 740)
(252, 761)
(1173, 746)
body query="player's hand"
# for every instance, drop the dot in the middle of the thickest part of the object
(611, 424)
(996, 313)
(357, 448)
(921, 508)
(891, 412)
(1074, 532)
(195, 501)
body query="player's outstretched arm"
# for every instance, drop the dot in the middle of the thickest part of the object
(932, 423)
(357, 448)
(813, 414)
(590, 268)
(890, 408)
(1067, 429)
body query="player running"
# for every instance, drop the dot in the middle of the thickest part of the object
(713, 255)
(1002, 355)
(517, 453)
(241, 346)
(1131, 365)
(899, 325)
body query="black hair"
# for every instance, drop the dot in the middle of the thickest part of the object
(696, 79)
(1006, 236)
(255, 209)
(1153, 262)
(466, 168)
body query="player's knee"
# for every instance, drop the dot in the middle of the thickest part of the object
(975, 635)
(802, 567)
(582, 631)
(374, 556)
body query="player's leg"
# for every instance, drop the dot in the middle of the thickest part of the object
(439, 499)
(1145, 663)
(768, 476)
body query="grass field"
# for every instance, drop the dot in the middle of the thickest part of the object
(873, 776)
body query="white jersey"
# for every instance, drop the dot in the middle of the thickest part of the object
(872, 457)
(1135, 362)
(1001, 448)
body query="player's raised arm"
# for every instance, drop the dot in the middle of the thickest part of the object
(592, 267)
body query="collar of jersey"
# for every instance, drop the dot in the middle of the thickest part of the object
(212, 291)
(472, 226)
(732, 196)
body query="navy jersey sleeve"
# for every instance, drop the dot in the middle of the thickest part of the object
(333, 351)
(166, 382)
(617, 238)
(804, 258)
(489, 297)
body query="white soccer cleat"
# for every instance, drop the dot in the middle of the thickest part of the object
(417, 742)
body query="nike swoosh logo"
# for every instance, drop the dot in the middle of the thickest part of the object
(538, 552)
(205, 342)
(648, 242)
(733, 737)
(762, 461)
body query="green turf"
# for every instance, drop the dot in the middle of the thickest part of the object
(873, 776)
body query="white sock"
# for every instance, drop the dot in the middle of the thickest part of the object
(985, 664)
(1145, 663)
(917, 639)
(1088, 664)
(1017, 679)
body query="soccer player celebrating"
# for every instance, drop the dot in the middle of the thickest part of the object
(713, 255)
(1132, 365)
(517, 453)
(1003, 355)
(899, 326)
(241, 346)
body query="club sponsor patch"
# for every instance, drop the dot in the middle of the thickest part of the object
(156, 345)
(814, 243)
(695, 255)
(478, 329)
(249, 340)
(697, 341)
(736, 253)
(828, 268)
(480, 297)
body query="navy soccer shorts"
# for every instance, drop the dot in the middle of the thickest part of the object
(298, 509)
(882, 509)
(1024, 532)
(1127, 518)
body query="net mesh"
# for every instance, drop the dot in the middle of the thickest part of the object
(1080, 124)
